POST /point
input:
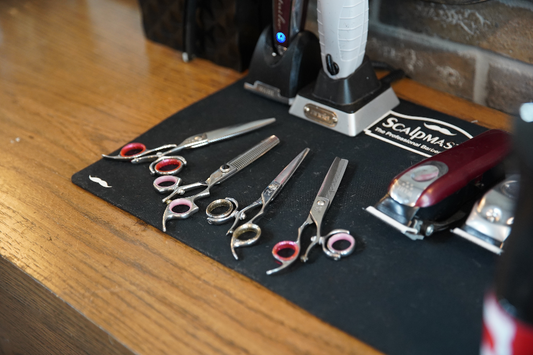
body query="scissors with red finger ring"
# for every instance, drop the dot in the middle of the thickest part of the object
(319, 208)
(163, 158)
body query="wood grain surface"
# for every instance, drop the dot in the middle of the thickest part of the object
(78, 79)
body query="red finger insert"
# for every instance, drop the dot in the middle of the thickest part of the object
(168, 165)
(132, 149)
(286, 245)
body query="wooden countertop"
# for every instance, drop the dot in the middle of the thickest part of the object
(78, 78)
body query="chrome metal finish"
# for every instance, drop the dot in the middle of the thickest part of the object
(267, 196)
(223, 173)
(321, 115)
(319, 208)
(236, 130)
(195, 141)
(245, 228)
(408, 188)
(350, 123)
(491, 220)
(231, 206)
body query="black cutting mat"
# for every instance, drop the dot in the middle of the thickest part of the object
(400, 296)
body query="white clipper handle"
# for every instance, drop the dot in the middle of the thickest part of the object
(343, 32)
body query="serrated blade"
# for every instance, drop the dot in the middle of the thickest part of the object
(253, 153)
(333, 179)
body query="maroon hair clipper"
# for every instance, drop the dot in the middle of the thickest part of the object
(428, 196)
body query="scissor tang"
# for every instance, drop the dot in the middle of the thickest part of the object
(266, 197)
(218, 176)
(327, 241)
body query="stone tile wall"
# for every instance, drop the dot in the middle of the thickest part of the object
(482, 52)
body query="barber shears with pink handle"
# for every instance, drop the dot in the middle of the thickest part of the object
(316, 215)
(218, 176)
(164, 162)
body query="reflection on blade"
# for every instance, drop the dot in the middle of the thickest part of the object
(235, 130)
(333, 179)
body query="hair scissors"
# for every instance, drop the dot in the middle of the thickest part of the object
(163, 160)
(221, 174)
(316, 215)
(267, 196)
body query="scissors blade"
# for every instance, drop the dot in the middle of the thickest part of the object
(332, 180)
(253, 153)
(289, 170)
(201, 139)
(240, 162)
(283, 177)
(236, 130)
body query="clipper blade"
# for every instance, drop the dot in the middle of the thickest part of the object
(411, 232)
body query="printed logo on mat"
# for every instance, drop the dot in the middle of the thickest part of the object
(421, 135)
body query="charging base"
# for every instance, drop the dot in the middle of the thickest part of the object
(346, 105)
(280, 77)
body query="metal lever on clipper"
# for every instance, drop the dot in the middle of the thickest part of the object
(428, 196)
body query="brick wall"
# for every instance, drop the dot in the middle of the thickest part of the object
(482, 52)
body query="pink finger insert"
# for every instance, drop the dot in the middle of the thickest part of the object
(163, 179)
(180, 202)
(338, 237)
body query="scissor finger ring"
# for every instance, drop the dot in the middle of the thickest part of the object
(132, 149)
(286, 245)
(170, 213)
(167, 165)
(339, 236)
(165, 184)
(245, 228)
(231, 206)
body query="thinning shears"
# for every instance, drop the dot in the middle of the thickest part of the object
(316, 215)
(267, 196)
(221, 174)
(164, 162)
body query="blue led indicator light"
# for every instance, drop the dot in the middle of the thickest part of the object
(280, 37)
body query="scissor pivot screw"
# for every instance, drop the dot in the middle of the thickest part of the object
(225, 168)
(320, 203)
